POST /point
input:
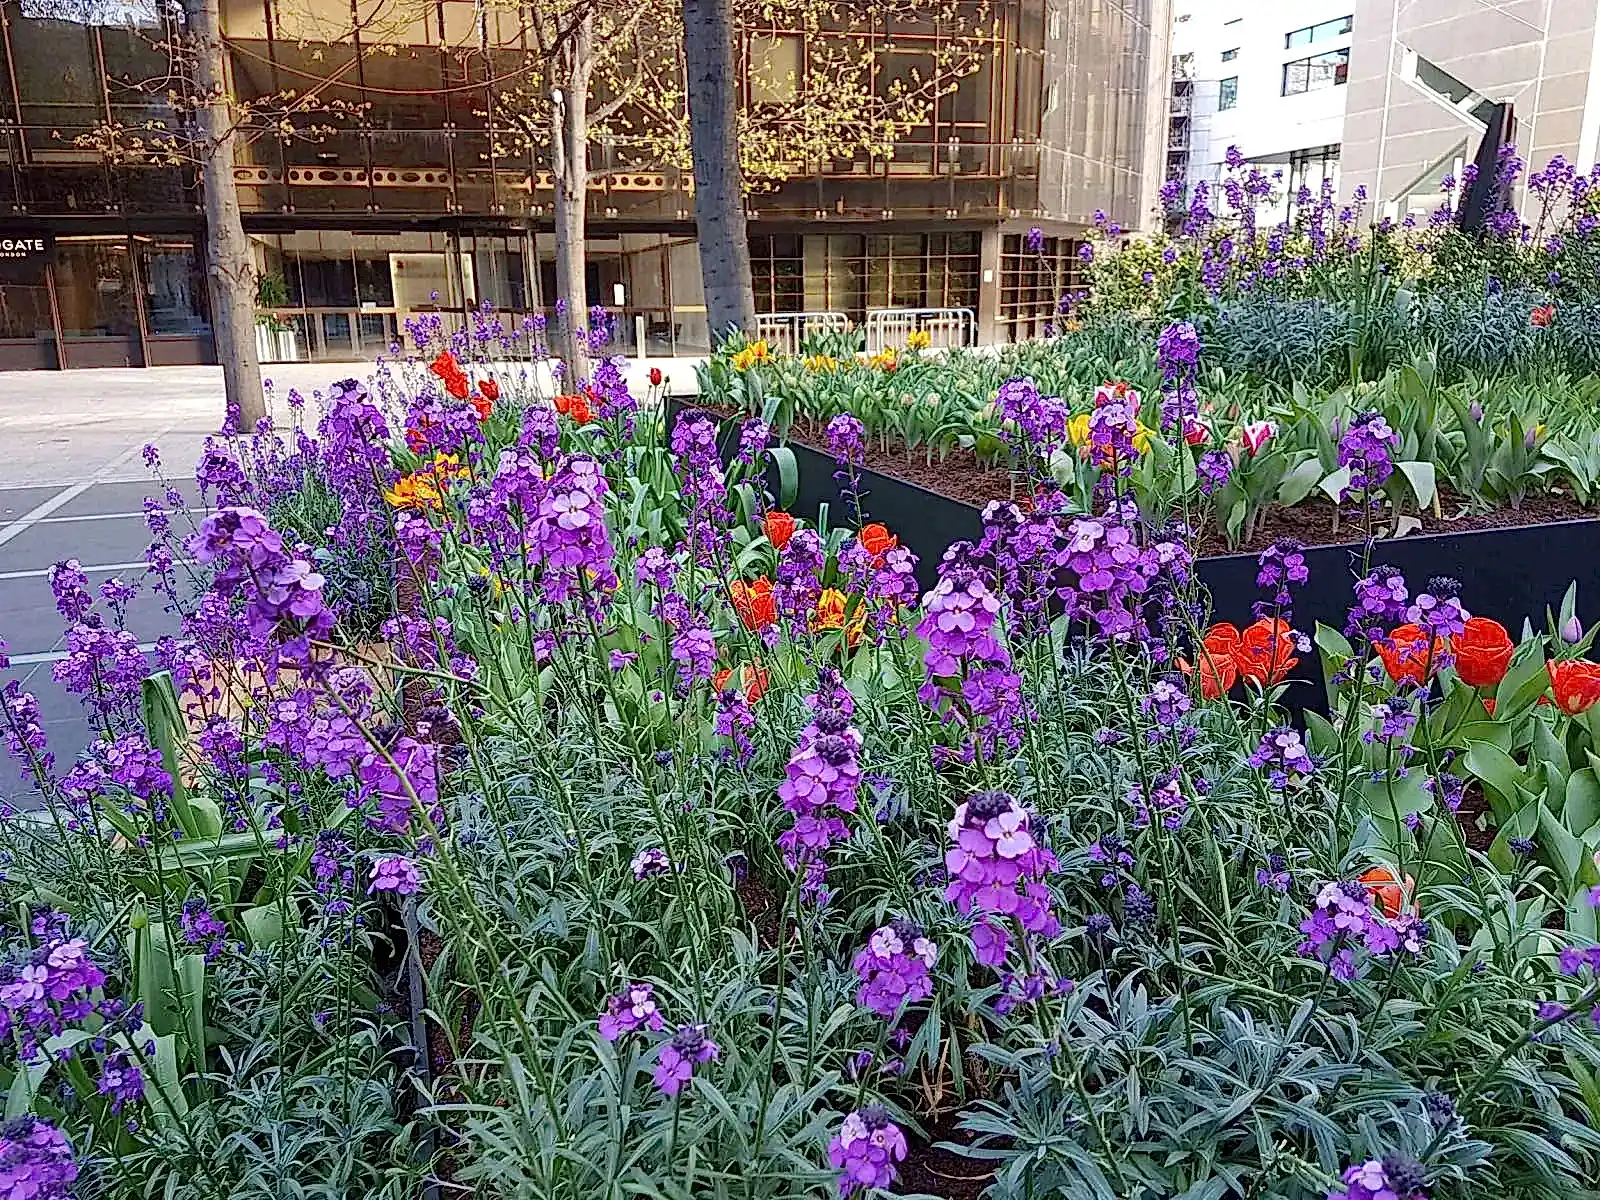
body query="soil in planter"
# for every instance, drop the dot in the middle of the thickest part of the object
(935, 1171)
(1474, 805)
(960, 476)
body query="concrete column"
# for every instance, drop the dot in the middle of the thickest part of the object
(989, 285)
(814, 251)
(1157, 104)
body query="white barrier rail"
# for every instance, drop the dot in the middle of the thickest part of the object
(784, 332)
(947, 328)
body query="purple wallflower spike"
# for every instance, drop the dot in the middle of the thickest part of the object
(844, 438)
(865, 1151)
(688, 1049)
(395, 874)
(1392, 1177)
(631, 1009)
(893, 968)
(121, 1081)
(35, 1161)
(997, 870)
(648, 862)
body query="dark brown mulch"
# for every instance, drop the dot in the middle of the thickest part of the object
(1312, 522)
(762, 905)
(932, 1170)
(1474, 804)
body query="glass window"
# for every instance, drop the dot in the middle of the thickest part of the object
(174, 289)
(1228, 93)
(1337, 27)
(94, 287)
(777, 63)
(1230, 55)
(1317, 72)
(25, 301)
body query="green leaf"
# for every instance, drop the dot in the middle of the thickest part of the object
(1560, 848)
(1334, 485)
(1526, 679)
(1500, 775)
(263, 924)
(1580, 809)
(164, 724)
(1423, 480)
(1300, 481)
(788, 474)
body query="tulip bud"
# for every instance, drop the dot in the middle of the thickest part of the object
(1476, 412)
(1572, 630)
(1529, 439)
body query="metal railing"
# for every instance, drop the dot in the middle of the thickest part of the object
(946, 327)
(784, 332)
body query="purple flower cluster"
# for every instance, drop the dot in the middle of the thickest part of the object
(1389, 1178)
(1214, 469)
(280, 589)
(1366, 450)
(650, 861)
(631, 1009)
(1381, 603)
(1280, 568)
(1041, 419)
(1438, 611)
(1283, 756)
(820, 781)
(688, 1049)
(893, 968)
(570, 530)
(41, 997)
(35, 1161)
(1343, 918)
(694, 449)
(997, 870)
(200, 927)
(417, 776)
(394, 873)
(865, 1150)
(970, 676)
(844, 435)
(799, 580)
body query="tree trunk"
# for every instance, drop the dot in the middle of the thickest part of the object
(569, 168)
(708, 33)
(230, 272)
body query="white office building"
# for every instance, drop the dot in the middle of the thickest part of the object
(1267, 78)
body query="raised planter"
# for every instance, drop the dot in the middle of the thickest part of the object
(1511, 574)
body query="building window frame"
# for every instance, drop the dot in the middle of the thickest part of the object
(1309, 35)
(1230, 55)
(1228, 93)
(1316, 72)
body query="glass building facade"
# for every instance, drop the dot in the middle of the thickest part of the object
(412, 205)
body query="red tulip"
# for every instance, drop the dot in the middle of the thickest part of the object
(1483, 651)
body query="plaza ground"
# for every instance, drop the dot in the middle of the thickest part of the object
(73, 483)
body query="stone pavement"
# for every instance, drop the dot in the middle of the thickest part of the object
(73, 483)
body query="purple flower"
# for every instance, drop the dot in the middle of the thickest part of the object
(394, 789)
(632, 1008)
(997, 869)
(35, 1161)
(1033, 240)
(1391, 1178)
(865, 1150)
(1280, 568)
(688, 1049)
(1275, 874)
(1381, 602)
(121, 1080)
(1365, 450)
(70, 586)
(1214, 469)
(821, 779)
(394, 874)
(1437, 610)
(893, 968)
(844, 438)
(1284, 757)
(648, 862)
(200, 927)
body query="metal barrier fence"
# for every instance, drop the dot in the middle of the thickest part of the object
(946, 327)
(784, 332)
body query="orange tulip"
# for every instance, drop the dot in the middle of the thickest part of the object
(753, 680)
(779, 528)
(755, 603)
(1266, 652)
(1408, 654)
(1386, 890)
(1218, 657)
(877, 541)
(445, 365)
(490, 390)
(1483, 651)
(574, 405)
(1575, 684)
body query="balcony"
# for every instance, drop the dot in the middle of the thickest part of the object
(1181, 105)
(1178, 138)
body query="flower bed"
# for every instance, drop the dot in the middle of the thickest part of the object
(750, 866)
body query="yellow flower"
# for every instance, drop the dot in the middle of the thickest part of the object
(829, 614)
(417, 490)
(919, 339)
(752, 354)
(886, 359)
(1141, 437)
(823, 364)
(1078, 430)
